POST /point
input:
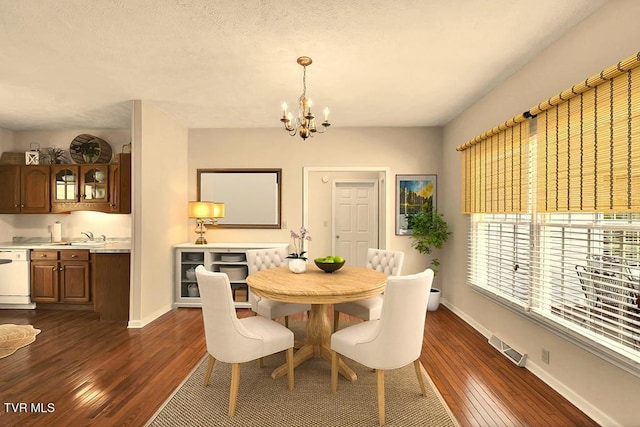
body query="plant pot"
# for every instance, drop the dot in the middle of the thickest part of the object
(434, 299)
(297, 265)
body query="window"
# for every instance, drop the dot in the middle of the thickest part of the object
(582, 275)
(555, 213)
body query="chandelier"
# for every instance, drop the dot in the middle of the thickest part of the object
(305, 122)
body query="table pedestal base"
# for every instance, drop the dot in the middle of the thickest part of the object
(317, 344)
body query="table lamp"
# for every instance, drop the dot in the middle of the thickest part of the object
(202, 211)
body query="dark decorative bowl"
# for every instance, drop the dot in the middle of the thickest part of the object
(329, 267)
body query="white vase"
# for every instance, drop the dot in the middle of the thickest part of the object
(297, 265)
(192, 290)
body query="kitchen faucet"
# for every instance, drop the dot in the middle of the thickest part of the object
(88, 234)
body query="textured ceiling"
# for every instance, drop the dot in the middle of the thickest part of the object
(231, 63)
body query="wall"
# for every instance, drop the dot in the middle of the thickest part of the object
(6, 139)
(39, 225)
(159, 155)
(603, 391)
(6, 221)
(403, 150)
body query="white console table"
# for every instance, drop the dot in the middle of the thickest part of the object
(230, 258)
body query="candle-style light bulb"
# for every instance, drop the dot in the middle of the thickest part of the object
(326, 114)
(284, 109)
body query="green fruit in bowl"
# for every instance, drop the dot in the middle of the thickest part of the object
(338, 259)
(328, 260)
(319, 260)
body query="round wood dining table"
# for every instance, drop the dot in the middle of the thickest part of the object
(319, 289)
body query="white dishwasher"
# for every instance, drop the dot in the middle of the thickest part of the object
(15, 289)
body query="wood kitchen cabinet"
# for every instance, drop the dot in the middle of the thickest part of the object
(79, 187)
(120, 184)
(110, 278)
(60, 276)
(24, 189)
(93, 187)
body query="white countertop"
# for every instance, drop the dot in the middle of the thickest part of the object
(234, 245)
(115, 246)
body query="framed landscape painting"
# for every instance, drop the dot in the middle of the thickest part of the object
(413, 193)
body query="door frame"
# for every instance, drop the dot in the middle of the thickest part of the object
(384, 188)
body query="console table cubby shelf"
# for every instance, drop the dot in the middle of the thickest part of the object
(230, 258)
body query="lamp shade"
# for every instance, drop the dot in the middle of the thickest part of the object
(218, 210)
(201, 209)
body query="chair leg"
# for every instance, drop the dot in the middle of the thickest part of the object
(286, 321)
(380, 396)
(290, 368)
(235, 385)
(207, 375)
(334, 371)
(336, 319)
(416, 364)
(261, 362)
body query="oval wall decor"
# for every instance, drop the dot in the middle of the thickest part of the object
(87, 148)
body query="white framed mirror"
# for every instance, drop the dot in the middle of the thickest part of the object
(252, 197)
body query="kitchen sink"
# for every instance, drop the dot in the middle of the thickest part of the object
(86, 243)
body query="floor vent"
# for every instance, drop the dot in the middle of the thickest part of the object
(511, 354)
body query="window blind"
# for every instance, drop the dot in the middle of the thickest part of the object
(500, 249)
(587, 279)
(492, 172)
(588, 150)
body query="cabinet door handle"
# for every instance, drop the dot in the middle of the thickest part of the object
(54, 269)
(22, 206)
(74, 256)
(61, 268)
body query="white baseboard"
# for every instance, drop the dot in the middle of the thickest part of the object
(582, 404)
(148, 319)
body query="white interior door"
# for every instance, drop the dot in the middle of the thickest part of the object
(355, 219)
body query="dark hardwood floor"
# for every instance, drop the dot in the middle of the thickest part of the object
(99, 373)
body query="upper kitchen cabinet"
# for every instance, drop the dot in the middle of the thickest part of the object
(64, 183)
(79, 183)
(24, 189)
(120, 184)
(95, 187)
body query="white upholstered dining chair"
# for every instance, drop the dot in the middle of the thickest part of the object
(261, 259)
(394, 340)
(388, 262)
(233, 340)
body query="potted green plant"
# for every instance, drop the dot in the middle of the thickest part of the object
(56, 155)
(430, 231)
(90, 150)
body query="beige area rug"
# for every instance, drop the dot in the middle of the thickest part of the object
(13, 337)
(263, 401)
